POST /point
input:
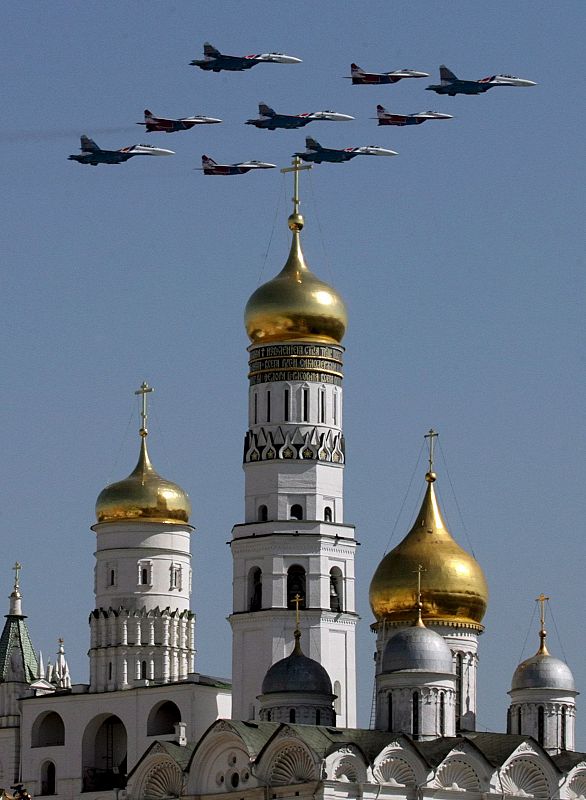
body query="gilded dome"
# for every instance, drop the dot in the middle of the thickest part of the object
(144, 495)
(295, 305)
(455, 589)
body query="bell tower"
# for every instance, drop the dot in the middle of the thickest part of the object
(294, 540)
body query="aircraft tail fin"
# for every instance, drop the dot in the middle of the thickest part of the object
(148, 115)
(446, 75)
(210, 51)
(206, 161)
(312, 144)
(381, 111)
(355, 69)
(88, 145)
(265, 111)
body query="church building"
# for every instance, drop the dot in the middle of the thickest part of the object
(148, 726)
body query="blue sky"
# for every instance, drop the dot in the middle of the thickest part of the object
(460, 260)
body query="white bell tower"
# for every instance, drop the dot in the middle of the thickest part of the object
(294, 539)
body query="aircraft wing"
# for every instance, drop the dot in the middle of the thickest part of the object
(145, 150)
(330, 116)
(372, 150)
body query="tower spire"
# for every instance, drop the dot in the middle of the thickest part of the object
(542, 600)
(15, 596)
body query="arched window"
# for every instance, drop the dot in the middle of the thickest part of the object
(263, 513)
(459, 686)
(563, 727)
(415, 715)
(48, 730)
(328, 516)
(540, 725)
(390, 711)
(163, 718)
(336, 589)
(295, 585)
(143, 670)
(255, 589)
(296, 511)
(48, 778)
(442, 714)
(144, 575)
(291, 715)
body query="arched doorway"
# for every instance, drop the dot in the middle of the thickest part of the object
(104, 754)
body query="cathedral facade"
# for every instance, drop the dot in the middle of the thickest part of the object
(147, 726)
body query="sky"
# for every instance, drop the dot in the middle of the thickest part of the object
(460, 261)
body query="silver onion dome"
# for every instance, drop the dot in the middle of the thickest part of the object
(417, 649)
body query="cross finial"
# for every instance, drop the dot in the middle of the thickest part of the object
(297, 600)
(419, 570)
(143, 391)
(431, 435)
(295, 169)
(542, 600)
(17, 567)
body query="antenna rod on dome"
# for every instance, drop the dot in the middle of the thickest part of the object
(295, 169)
(542, 599)
(144, 390)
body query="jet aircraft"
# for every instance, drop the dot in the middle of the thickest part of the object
(452, 85)
(361, 78)
(387, 118)
(165, 125)
(318, 154)
(211, 167)
(215, 61)
(94, 155)
(269, 119)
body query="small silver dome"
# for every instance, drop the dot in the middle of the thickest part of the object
(417, 649)
(543, 671)
(297, 673)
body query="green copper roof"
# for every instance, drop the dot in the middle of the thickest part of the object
(15, 636)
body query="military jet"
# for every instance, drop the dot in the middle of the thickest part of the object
(452, 85)
(318, 154)
(211, 167)
(164, 125)
(215, 61)
(94, 155)
(361, 78)
(387, 118)
(270, 120)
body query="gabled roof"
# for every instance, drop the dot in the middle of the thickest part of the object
(180, 754)
(567, 760)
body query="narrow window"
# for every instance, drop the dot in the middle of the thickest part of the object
(255, 589)
(459, 682)
(143, 670)
(110, 671)
(263, 513)
(336, 589)
(305, 405)
(291, 715)
(563, 726)
(317, 716)
(268, 405)
(415, 715)
(112, 577)
(144, 576)
(255, 408)
(442, 714)
(295, 585)
(335, 409)
(296, 511)
(540, 725)
(269, 715)
(322, 406)
(509, 720)
(519, 719)
(390, 712)
(327, 514)
(286, 408)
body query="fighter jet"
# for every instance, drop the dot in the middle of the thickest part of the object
(387, 118)
(318, 154)
(452, 85)
(211, 167)
(94, 155)
(361, 78)
(164, 125)
(215, 61)
(270, 120)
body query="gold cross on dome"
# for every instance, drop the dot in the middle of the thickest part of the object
(431, 435)
(296, 169)
(143, 391)
(542, 600)
(297, 600)
(17, 567)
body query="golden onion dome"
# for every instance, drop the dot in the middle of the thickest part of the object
(295, 305)
(454, 589)
(144, 495)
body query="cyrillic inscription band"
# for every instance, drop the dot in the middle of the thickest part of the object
(296, 362)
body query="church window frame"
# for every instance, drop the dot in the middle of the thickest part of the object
(268, 405)
(145, 573)
(296, 512)
(162, 718)
(541, 725)
(263, 513)
(563, 727)
(292, 716)
(286, 404)
(48, 730)
(175, 576)
(442, 714)
(110, 670)
(296, 584)
(336, 591)
(415, 715)
(459, 689)
(255, 589)
(305, 404)
(322, 405)
(328, 514)
(111, 574)
(48, 778)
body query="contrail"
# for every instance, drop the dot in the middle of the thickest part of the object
(39, 135)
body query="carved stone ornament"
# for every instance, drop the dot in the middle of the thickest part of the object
(523, 778)
(292, 765)
(163, 780)
(457, 776)
(395, 772)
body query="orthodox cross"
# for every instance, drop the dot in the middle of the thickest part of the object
(542, 599)
(431, 435)
(143, 391)
(17, 567)
(297, 600)
(296, 169)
